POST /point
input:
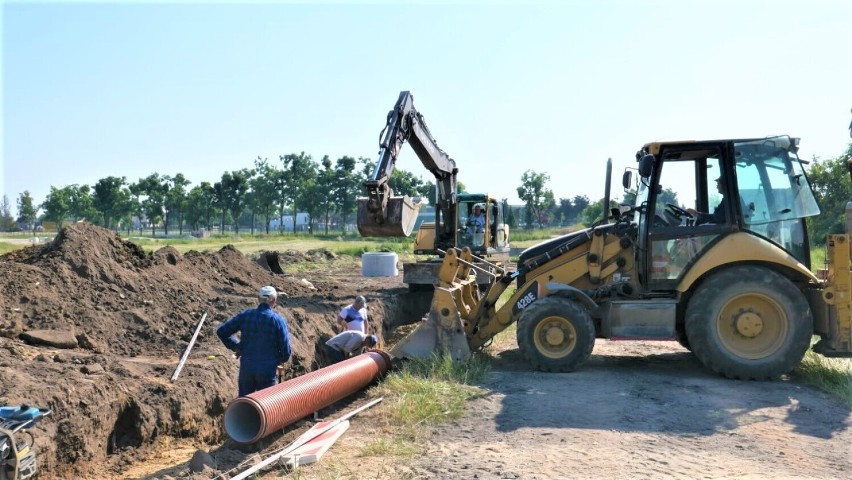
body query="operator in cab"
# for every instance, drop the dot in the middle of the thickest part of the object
(476, 222)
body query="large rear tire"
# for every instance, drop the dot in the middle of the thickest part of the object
(556, 334)
(749, 322)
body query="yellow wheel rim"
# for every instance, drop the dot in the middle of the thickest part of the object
(555, 337)
(752, 326)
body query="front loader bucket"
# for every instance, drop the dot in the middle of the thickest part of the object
(441, 332)
(399, 221)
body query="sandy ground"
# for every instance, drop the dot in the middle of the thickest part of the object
(636, 410)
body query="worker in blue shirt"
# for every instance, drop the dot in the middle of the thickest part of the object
(264, 342)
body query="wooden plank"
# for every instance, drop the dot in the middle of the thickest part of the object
(188, 348)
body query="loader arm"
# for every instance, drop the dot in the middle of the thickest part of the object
(383, 214)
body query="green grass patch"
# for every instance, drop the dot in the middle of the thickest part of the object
(6, 247)
(831, 375)
(397, 447)
(432, 391)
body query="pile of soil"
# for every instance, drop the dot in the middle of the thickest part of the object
(93, 327)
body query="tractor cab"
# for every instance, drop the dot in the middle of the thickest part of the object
(693, 195)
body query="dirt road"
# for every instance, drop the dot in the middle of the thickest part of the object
(636, 410)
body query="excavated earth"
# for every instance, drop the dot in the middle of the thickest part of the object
(93, 327)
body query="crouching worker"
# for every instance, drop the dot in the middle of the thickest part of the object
(264, 342)
(344, 344)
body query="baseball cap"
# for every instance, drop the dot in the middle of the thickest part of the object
(360, 300)
(268, 292)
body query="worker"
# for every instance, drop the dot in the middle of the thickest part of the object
(476, 222)
(345, 343)
(354, 316)
(263, 345)
(718, 215)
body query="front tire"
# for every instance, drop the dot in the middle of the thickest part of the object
(749, 322)
(556, 334)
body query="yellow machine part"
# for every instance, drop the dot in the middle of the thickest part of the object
(443, 330)
(838, 293)
(742, 247)
(425, 238)
(398, 219)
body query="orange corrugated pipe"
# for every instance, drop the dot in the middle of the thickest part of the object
(250, 418)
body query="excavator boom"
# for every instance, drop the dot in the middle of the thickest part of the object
(381, 213)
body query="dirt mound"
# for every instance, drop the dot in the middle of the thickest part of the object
(132, 315)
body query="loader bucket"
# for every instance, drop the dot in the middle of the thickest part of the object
(441, 332)
(399, 221)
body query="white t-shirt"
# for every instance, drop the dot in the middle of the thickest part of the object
(355, 319)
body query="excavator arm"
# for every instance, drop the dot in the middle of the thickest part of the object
(381, 214)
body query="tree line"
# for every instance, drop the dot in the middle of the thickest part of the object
(326, 190)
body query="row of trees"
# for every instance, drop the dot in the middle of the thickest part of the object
(326, 190)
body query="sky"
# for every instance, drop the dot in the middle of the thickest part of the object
(97, 89)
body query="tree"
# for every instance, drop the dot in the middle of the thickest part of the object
(232, 195)
(174, 199)
(137, 191)
(536, 197)
(326, 181)
(80, 202)
(199, 205)
(299, 172)
(830, 182)
(509, 214)
(7, 221)
(155, 188)
(594, 212)
(346, 188)
(57, 205)
(263, 187)
(27, 212)
(107, 198)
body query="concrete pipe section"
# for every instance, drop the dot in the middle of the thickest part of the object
(250, 418)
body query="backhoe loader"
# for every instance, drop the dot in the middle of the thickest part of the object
(735, 287)
(383, 214)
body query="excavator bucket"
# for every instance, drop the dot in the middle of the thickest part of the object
(441, 332)
(398, 222)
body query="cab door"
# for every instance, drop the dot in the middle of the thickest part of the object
(685, 212)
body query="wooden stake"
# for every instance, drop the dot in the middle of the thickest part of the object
(188, 348)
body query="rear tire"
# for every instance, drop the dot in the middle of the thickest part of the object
(749, 322)
(682, 339)
(556, 334)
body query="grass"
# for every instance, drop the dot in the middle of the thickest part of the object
(831, 375)
(422, 393)
(432, 391)
(6, 247)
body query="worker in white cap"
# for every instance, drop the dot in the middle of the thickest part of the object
(354, 316)
(263, 344)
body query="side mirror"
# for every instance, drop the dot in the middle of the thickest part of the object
(627, 179)
(646, 165)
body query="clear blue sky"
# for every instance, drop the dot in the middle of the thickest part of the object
(127, 89)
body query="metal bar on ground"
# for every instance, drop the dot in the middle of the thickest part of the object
(188, 348)
(305, 438)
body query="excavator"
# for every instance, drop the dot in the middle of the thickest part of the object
(383, 214)
(733, 286)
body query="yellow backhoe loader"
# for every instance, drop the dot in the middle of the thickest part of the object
(730, 280)
(383, 214)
